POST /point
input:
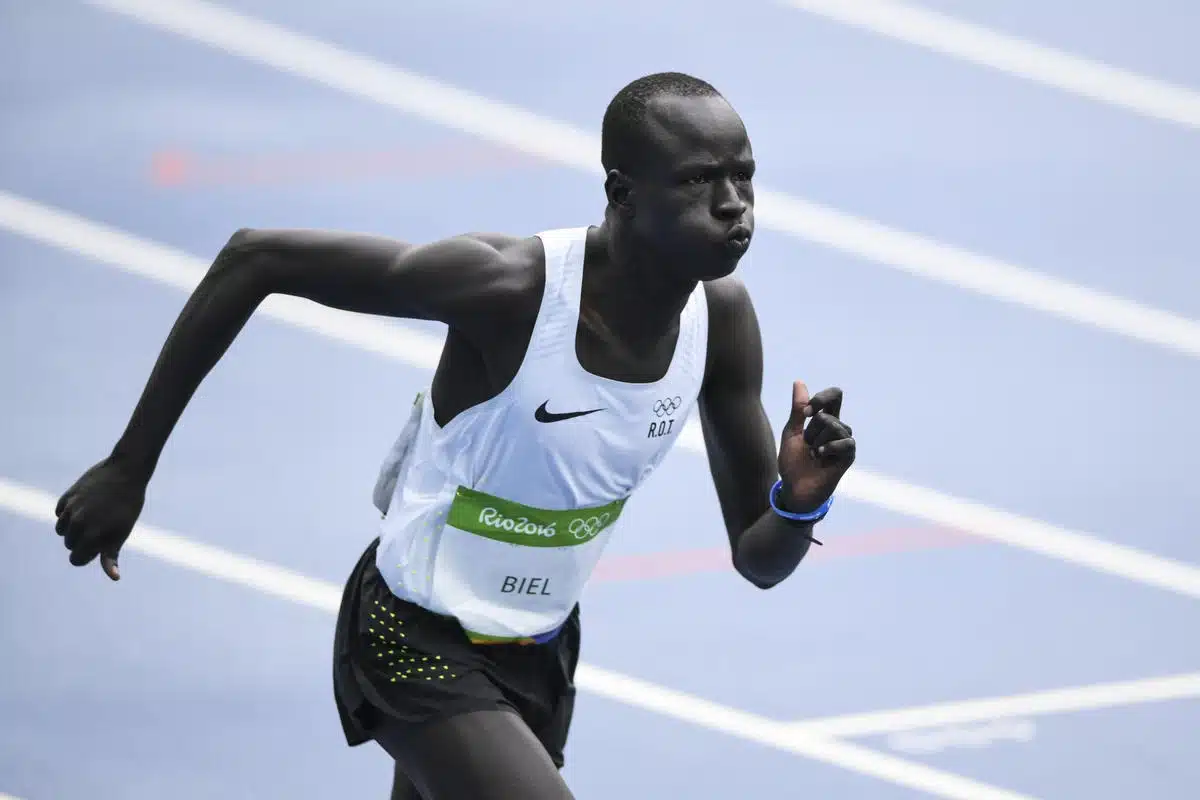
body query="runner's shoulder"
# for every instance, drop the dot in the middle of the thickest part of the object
(728, 301)
(509, 268)
(734, 338)
(478, 283)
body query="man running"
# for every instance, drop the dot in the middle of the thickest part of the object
(571, 362)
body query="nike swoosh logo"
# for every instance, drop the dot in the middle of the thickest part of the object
(542, 415)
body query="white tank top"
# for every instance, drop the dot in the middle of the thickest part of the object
(499, 518)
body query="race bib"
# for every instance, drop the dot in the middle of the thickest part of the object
(508, 570)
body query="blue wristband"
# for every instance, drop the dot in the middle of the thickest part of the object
(812, 516)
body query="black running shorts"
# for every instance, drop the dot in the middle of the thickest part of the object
(397, 661)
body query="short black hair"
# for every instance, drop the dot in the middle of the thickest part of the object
(622, 135)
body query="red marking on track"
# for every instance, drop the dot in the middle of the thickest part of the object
(170, 168)
(690, 562)
(178, 168)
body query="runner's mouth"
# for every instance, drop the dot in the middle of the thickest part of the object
(738, 239)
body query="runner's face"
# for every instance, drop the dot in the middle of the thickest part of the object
(694, 196)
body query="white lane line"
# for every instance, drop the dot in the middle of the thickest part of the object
(1024, 59)
(270, 579)
(1075, 547)
(165, 265)
(566, 146)
(1056, 701)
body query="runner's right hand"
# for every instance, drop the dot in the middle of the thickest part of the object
(97, 514)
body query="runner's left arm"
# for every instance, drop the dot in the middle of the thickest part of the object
(742, 451)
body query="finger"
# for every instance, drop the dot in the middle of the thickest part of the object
(62, 502)
(84, 555)
(63, 523)
(837, 452)
(108, 562)
(829, 400)
(800, 402)
(76, 530)
(825, 428)
(67, 516)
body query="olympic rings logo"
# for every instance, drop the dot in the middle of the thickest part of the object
(667, 406)
(583, 528)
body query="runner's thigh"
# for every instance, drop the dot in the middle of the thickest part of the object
(402, 787)
(479, 755)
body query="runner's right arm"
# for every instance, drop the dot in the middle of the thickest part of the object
(456, 281)
(451, 281)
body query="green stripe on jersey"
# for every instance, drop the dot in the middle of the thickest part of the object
(506, 521)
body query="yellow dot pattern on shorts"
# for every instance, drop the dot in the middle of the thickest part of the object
(401, 659)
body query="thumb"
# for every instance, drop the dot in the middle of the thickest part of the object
(801, 407)
(108, 562)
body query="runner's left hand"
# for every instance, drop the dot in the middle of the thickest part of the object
(813, 458)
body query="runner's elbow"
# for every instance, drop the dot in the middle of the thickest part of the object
(245, 260)
(755, 580)
(759, 583)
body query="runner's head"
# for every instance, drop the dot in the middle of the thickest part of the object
(679, 166)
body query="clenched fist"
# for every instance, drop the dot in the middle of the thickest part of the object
(97, 514)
